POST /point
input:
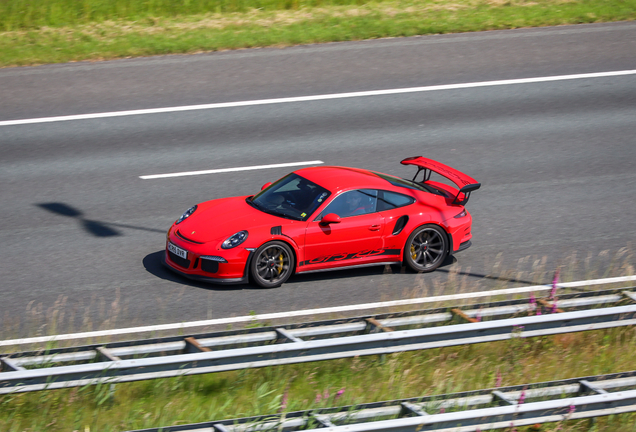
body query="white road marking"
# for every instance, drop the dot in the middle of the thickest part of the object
(224, 170)
(316, 97)
(310, 312)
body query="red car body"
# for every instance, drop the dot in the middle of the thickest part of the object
(270, 236)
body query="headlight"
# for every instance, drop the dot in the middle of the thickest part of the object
(235, 240)
(186, 214)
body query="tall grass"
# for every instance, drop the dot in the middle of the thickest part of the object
(20, 14)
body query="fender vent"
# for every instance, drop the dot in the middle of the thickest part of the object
(277, 230)
(400, 224)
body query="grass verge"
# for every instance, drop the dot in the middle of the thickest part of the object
(72, 37)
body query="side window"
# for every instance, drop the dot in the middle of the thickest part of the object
(390, 200)
(353, 203)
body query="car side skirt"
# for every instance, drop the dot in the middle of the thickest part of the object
(349, 267)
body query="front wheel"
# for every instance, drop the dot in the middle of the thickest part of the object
(426, 248)
(272, 265)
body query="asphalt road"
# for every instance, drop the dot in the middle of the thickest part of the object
(82, 234)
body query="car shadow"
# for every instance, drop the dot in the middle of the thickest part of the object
(91, 226)
(153, 263)
(495, 278)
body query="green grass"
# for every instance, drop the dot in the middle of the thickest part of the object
(49, 31)
(257, 392)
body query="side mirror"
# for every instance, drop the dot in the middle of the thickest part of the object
(329, 219)
(266, 185)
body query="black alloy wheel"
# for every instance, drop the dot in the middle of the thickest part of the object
(426, 248)
(272, 265)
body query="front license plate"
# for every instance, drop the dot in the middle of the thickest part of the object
(178, 251)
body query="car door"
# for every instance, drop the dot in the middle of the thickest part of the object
(356, 239)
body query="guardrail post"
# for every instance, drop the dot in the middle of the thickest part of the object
(285, 336)
(375, 326)
(409, 408)
(8, 365)
(218, 427)
(587, 388)
(630, 295)
(460, 313)
(193, 346)
(106, 355)
(323, 420)
(503, 399)
(549, 305)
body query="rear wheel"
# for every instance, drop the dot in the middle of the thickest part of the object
(272, 265)
(426, 248)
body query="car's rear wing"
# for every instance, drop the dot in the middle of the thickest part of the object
(466, 184)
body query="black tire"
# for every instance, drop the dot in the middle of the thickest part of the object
(272, 265)
(426, 248)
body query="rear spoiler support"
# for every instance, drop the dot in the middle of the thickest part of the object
(466, 190)
(427, 174)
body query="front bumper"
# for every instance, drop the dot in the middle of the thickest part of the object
(205, 264)
(204, 278)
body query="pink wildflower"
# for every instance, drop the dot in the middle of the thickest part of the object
(522, 397)
(340, 393)
(283, 403)
(318, 398)
(498, 381)
(554, 306)
(325, 394)
(555, 281)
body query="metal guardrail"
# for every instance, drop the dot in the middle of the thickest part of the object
(267, 346)
(487, 409)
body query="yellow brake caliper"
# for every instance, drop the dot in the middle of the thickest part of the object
(413, 254)
(280, 264)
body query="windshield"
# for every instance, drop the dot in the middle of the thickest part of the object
(292, 197)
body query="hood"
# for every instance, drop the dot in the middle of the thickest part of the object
(219, 219)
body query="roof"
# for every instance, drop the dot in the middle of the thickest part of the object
(335, 178)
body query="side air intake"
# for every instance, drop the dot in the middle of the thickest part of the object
(400, 224)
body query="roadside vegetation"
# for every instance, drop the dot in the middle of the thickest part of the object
(52, 31)
(272, 390)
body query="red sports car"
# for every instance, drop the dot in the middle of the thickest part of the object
(324, 218)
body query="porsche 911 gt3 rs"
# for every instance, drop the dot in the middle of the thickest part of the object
(325, 218)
